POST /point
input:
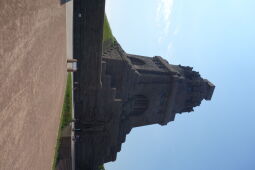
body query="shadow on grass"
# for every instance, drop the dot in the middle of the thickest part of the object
(66, 117)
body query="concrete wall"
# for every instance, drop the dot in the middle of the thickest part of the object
(32, 81)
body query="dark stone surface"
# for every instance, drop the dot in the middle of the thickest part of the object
(135, 90)
(88, 35)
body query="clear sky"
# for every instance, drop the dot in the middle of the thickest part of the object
(217, 38)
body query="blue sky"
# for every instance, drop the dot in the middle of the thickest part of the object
(217, 38)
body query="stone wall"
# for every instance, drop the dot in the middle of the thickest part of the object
(32, 81)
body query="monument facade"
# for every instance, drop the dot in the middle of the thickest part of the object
(150, 90)
(136, 91)
(116, 91)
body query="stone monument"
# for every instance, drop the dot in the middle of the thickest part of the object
(116, 91)
(136, 91)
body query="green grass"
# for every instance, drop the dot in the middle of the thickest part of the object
(66, 117)
(108, 38)
(67, 107)
(101, 167)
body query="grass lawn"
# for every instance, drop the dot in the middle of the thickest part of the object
(101, 167)
(67, 107)
(108, 38)
(66, 116)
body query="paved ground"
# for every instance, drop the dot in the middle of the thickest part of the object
(69, 29)
(32, 81)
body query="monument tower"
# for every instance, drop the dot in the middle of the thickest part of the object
(117, 91)
(146, 90)
(152, 90)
